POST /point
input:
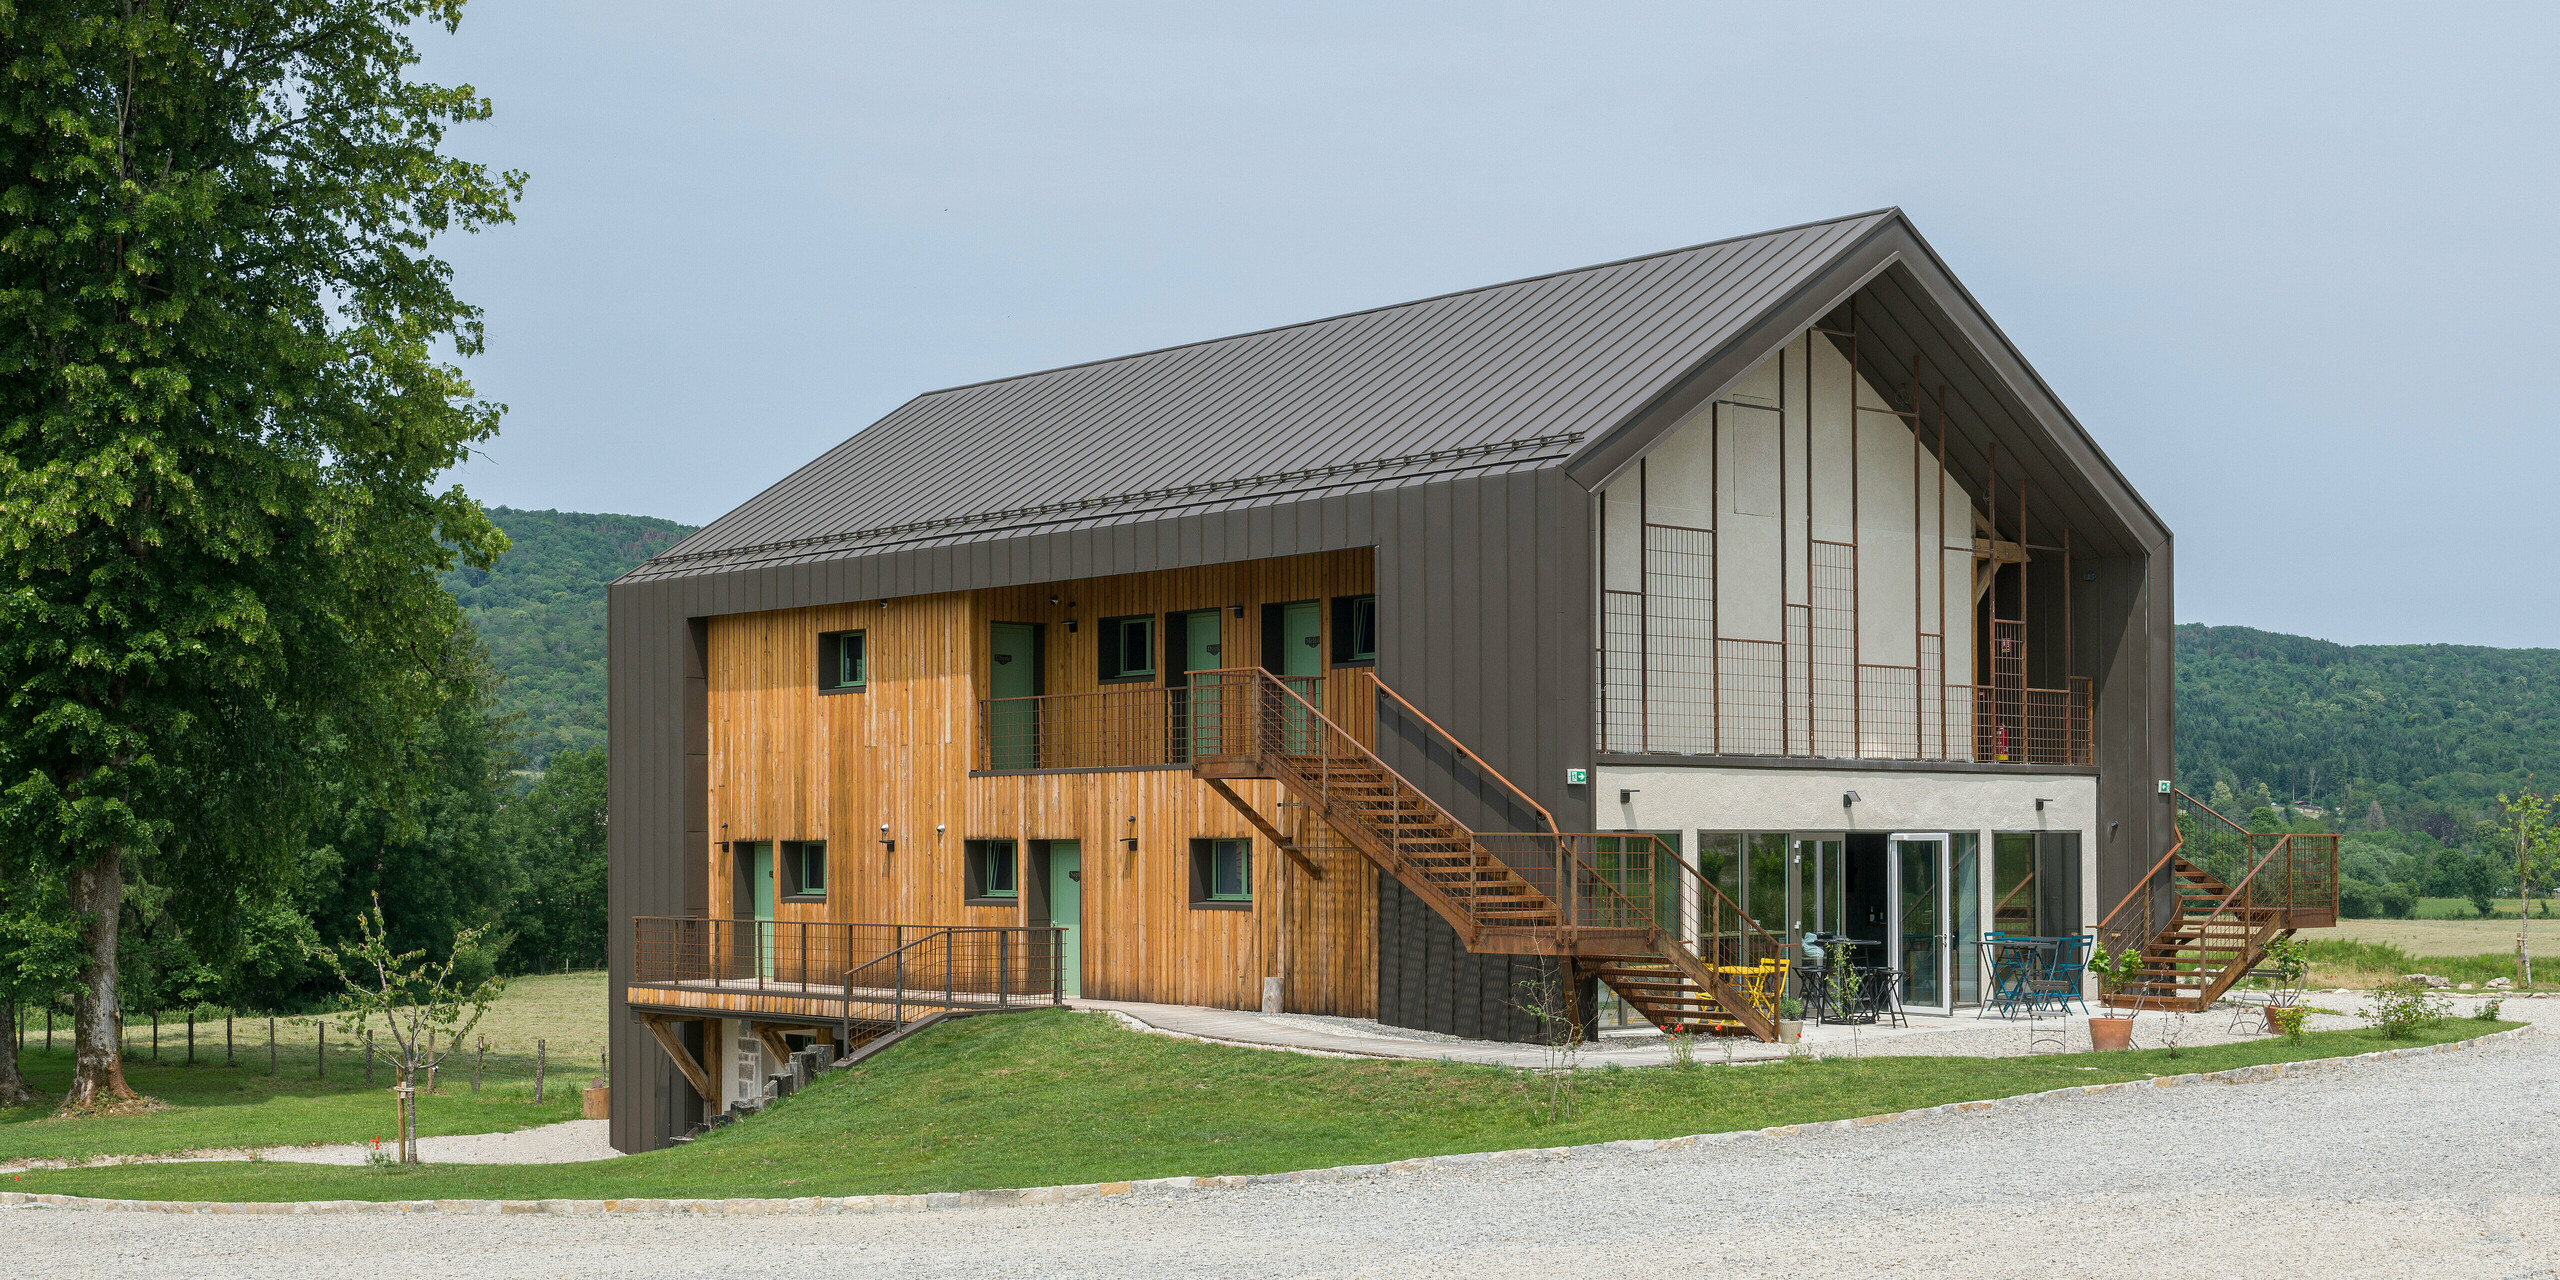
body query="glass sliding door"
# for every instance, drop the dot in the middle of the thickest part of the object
(1964, 858)
(1921, 940)
(1825, 884)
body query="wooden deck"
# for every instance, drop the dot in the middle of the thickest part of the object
(816, 1002)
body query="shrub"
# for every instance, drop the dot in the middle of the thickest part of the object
(2488, 1010)
(2363, 900)
(2289, 1021)
(2400, 1010)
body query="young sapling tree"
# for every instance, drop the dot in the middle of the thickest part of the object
(418, 1002)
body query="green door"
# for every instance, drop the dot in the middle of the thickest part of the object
(762, 873)
(1013, 721)
(1195, 718)
(1066, 911)
(1300, 664)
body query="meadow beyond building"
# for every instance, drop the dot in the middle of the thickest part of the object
(1563, 647)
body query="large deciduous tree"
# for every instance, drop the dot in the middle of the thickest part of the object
(226, 394)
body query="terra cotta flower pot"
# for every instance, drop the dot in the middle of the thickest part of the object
(2110, 1033)
(2273, 1026)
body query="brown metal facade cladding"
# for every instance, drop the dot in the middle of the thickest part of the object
(1461, 438)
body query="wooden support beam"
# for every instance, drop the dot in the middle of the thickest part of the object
(771, 1035)
(1264, 826)
(665, 1033)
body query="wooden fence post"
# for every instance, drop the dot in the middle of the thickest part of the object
(368, 1059)
(324, 1047)
(541, 1051)
(229, 1058)
(479, 1060)
(271, 1044)
(191, 1036)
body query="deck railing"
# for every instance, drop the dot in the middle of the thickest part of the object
(863, 972)
(1129, 728)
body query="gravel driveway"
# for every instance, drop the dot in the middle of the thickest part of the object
(2443, 1165)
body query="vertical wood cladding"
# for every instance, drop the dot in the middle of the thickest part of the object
(788, 763)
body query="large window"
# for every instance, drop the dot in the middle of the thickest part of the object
(1128, 648)
(989, 866)
(1221, 873)
(843, 662)
(1751, 868)
(1355, 630)
(804, 870)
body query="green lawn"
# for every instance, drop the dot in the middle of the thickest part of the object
(243, 1106)
(1038, 1099)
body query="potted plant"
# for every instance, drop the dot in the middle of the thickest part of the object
(2116, 972)
(2287, 961)
(1790, 1019)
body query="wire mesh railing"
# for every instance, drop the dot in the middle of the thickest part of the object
(1137, 727)
(860, 972)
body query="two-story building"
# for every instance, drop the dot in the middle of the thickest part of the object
(1591, 636)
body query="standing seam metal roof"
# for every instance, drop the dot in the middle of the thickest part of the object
(1491, 378)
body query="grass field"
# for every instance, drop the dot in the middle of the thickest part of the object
(1038, 1099)
(238, 1104)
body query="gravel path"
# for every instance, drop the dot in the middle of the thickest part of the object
(2443, 1165)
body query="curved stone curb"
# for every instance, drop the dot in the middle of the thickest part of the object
(1095, 1190)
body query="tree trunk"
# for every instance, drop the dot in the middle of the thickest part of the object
(13, 1086)
(97, 892)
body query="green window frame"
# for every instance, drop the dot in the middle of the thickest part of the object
(844, 662)
(991, 869)
(803, 870)
(1222, 873)
(1128, 647)
(1355, 630)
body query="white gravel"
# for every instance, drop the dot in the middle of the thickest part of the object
(567, 1142)
(2443, 1165)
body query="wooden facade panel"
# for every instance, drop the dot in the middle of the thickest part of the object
(787, 762)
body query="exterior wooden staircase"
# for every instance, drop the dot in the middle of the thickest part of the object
(2198, 935)
(1606, 904)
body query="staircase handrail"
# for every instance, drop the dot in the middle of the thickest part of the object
(1714, 894)
(2180, 794)
(1469, 752)
(1261, 680)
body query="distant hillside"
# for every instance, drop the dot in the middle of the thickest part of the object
(2431, 732)
(541, 612)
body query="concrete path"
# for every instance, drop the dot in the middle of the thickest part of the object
(1962, 1035)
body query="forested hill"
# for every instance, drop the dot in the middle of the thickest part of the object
(541, 611)
(2432, 732)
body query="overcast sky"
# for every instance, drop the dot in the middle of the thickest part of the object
(2290, 264)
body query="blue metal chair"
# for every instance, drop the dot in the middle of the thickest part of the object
(2067, 972)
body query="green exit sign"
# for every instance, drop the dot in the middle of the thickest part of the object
(1576, 777)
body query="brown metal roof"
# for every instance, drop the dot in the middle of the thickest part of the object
(1503, 377)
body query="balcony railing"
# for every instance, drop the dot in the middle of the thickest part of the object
(1129, 728)
(860, 972)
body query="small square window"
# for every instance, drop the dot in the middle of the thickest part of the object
(843, 662)
(1355, 629)
(1222, 873)
(804, 869)
(1128, 648)
(990, 872)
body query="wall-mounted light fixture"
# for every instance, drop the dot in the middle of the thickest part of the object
(1131, 839)
(1848, 798)
(2041, 802)
(1627, 795)
(1238, 610)
(937, 828)
(885, 841)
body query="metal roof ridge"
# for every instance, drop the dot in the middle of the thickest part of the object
(1892, 210)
